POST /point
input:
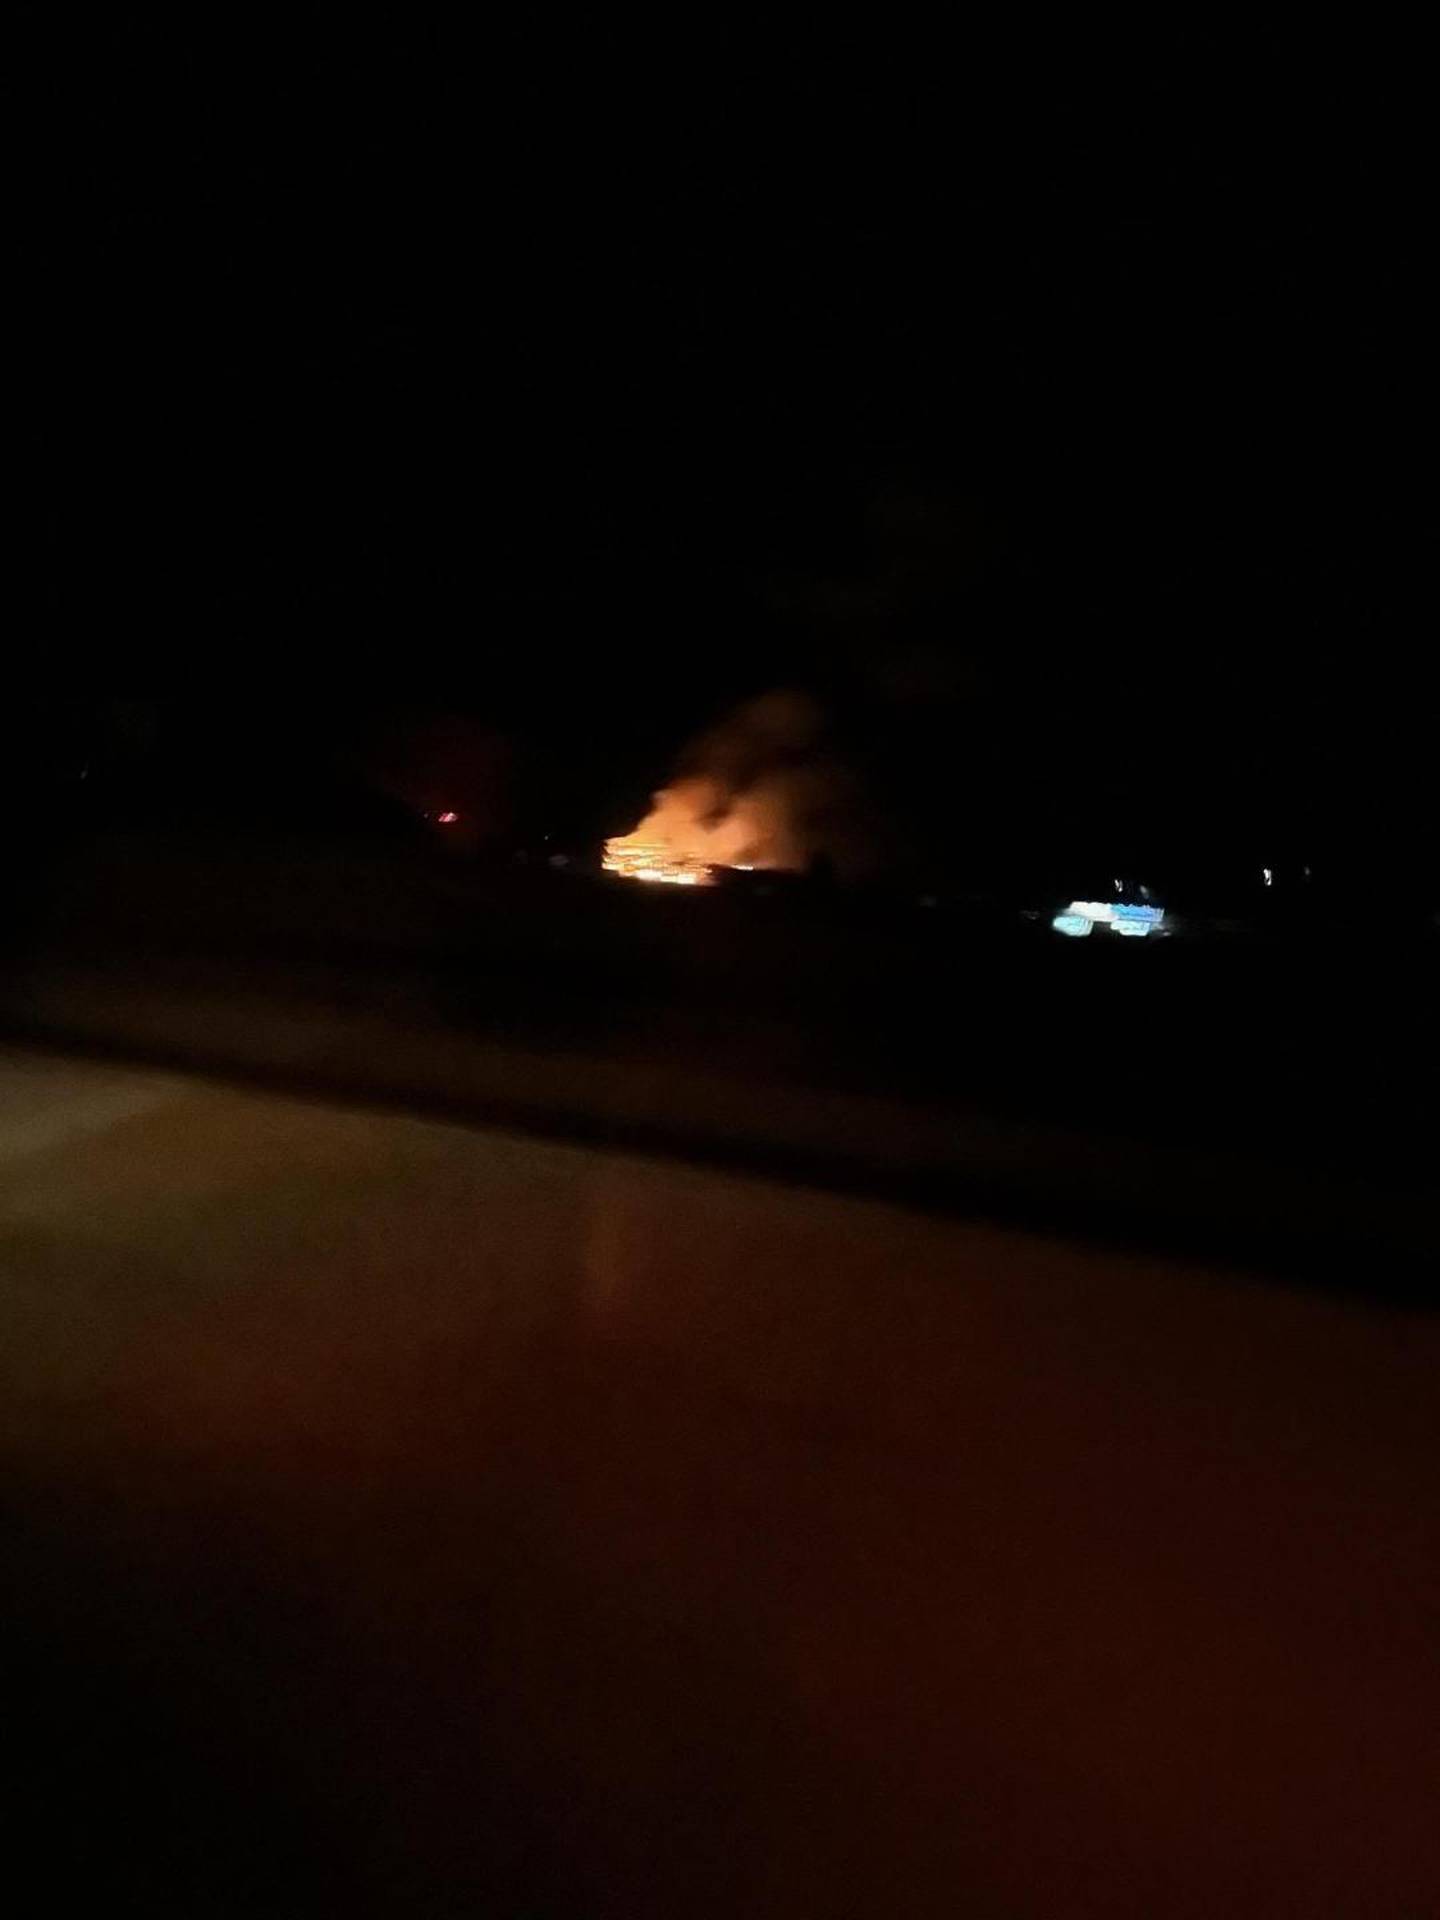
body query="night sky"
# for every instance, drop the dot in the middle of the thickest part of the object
(1017, 401)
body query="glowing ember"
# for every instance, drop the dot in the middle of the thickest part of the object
(650, 860)
(692, 829)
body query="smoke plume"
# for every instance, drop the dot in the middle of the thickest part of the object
(763, 788)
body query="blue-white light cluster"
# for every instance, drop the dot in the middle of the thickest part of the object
(1082, 917)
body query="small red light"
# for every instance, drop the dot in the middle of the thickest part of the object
(447, 819)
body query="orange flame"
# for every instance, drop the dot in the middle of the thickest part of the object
(693, 828)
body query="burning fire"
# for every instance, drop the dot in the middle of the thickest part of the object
(693, 828)
(641, 859)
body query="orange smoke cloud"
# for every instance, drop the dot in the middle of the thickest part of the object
(694, 826)
(754, 792)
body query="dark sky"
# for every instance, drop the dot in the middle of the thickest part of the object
(593, 381)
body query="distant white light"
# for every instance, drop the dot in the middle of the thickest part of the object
(1269, 875)
(1136, 920)
(1131, 922)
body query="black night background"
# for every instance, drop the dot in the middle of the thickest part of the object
(892, 1372)
(1042, 412)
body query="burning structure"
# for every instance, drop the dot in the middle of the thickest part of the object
(755, 792)
(693, 828)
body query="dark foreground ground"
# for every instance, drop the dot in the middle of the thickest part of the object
(1312, 1020)
(408, 1519)
(1253, 1093)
